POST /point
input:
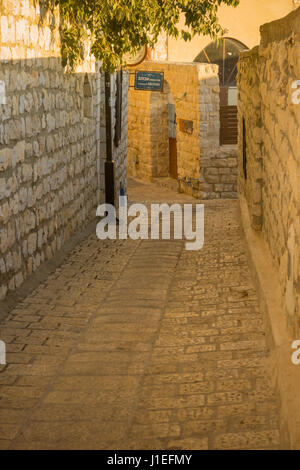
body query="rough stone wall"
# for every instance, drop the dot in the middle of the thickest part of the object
(205, 169)
(51, 180)
(272, 189)
(140, 162)
(249, 115)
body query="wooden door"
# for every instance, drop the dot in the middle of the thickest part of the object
(228, 116)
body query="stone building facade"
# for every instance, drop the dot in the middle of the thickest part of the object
(269, 150)
(205, 169)
(51, 141)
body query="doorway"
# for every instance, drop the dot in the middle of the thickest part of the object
(225, 53)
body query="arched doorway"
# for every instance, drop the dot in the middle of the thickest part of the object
(164, 136)
(225, 53)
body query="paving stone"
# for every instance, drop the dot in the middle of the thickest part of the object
(142, 344)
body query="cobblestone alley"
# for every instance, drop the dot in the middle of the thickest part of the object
(142, 345)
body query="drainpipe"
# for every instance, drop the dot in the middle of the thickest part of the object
(109, 163)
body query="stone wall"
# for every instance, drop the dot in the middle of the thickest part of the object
(51, 169)
(249, 108)
(205, 169)
(267, 79)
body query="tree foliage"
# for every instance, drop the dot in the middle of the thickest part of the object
(117, 27)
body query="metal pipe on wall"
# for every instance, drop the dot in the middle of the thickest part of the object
(109, 163)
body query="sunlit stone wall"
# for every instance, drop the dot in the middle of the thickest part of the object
(51, 159)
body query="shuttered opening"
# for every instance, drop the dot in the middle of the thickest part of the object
(228, 116)
(228, 125)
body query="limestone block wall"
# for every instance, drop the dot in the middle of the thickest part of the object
(159, 125)
(205, 169)
(250, 135)
(267, 78)
(140, 148)
(51, 175)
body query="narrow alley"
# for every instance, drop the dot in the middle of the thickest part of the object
(142, 345)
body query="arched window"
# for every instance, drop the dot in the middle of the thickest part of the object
(87, 98)
(225, 53)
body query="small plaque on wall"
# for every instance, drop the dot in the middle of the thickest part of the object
(186, 126)
(152, 81)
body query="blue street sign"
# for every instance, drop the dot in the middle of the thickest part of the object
(152, 81)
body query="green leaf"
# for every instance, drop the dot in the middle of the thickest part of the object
(120, 26)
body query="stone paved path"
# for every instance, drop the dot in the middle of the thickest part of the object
(142, 344)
